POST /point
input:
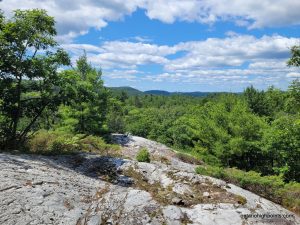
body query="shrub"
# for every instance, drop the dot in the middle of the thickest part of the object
(270, 187)
(41, 141)
(58, 142)
(213, 171)
(97, 144)
(290, 196)
(53, 143)
(143, 155)
(189, 159)
(265, 186)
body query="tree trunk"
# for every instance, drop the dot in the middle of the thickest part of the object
(13, 142)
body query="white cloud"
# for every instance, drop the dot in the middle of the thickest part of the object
(231, 51)
(267, 52)
(264, 13)
(238, 60)
(118, 54)
(76, 17)
(293, 75)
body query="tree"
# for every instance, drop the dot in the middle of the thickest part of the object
(293, 99)
(29, 82)
(85, 99)
(282, 144)
(295, 56)
(256, 101)
(293, 103)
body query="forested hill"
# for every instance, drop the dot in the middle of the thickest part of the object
(128, 90)
(135, 92)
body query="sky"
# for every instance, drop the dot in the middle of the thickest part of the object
(179, 45)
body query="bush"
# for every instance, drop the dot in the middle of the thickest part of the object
(41, 141)
(265, 186)
(270, 187)
(55, 143)
(143, 155)
(188, 159)
(213, 171)
(97, 144)
(290, 196)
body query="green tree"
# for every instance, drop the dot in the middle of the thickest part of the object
(85, 99)
(295, 56)
(256, 101)
(293, 99)
(29, 83)
(294, 88)
(282, 145)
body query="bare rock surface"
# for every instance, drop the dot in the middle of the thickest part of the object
(88, 189)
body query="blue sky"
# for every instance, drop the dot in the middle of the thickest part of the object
(179, 45)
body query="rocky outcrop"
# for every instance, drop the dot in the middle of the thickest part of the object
(91, 189)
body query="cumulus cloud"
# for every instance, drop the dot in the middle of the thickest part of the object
(76, 17)
(212, 53)
(293, 75)
(236, 59)
(231, 51)
(257, 14)
(118, 54)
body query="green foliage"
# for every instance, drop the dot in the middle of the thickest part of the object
(143, 155)
(256, 101)
(85, 100)
(213, 171)
(293, 97)
(227, 130)
(295, 56)
(57, 142)
(187, 158)
(270, 187)
(29, 83)
(281, 144)
(290, 196)
(53, 143)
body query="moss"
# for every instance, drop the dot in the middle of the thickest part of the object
(241, 200)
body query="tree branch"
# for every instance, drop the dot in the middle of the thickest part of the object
(26, 130)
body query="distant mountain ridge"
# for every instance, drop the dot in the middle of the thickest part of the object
(133, 92)
(128, 90)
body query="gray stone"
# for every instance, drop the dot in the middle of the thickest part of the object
(177, 201)
(89, 189)
(206, 194)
